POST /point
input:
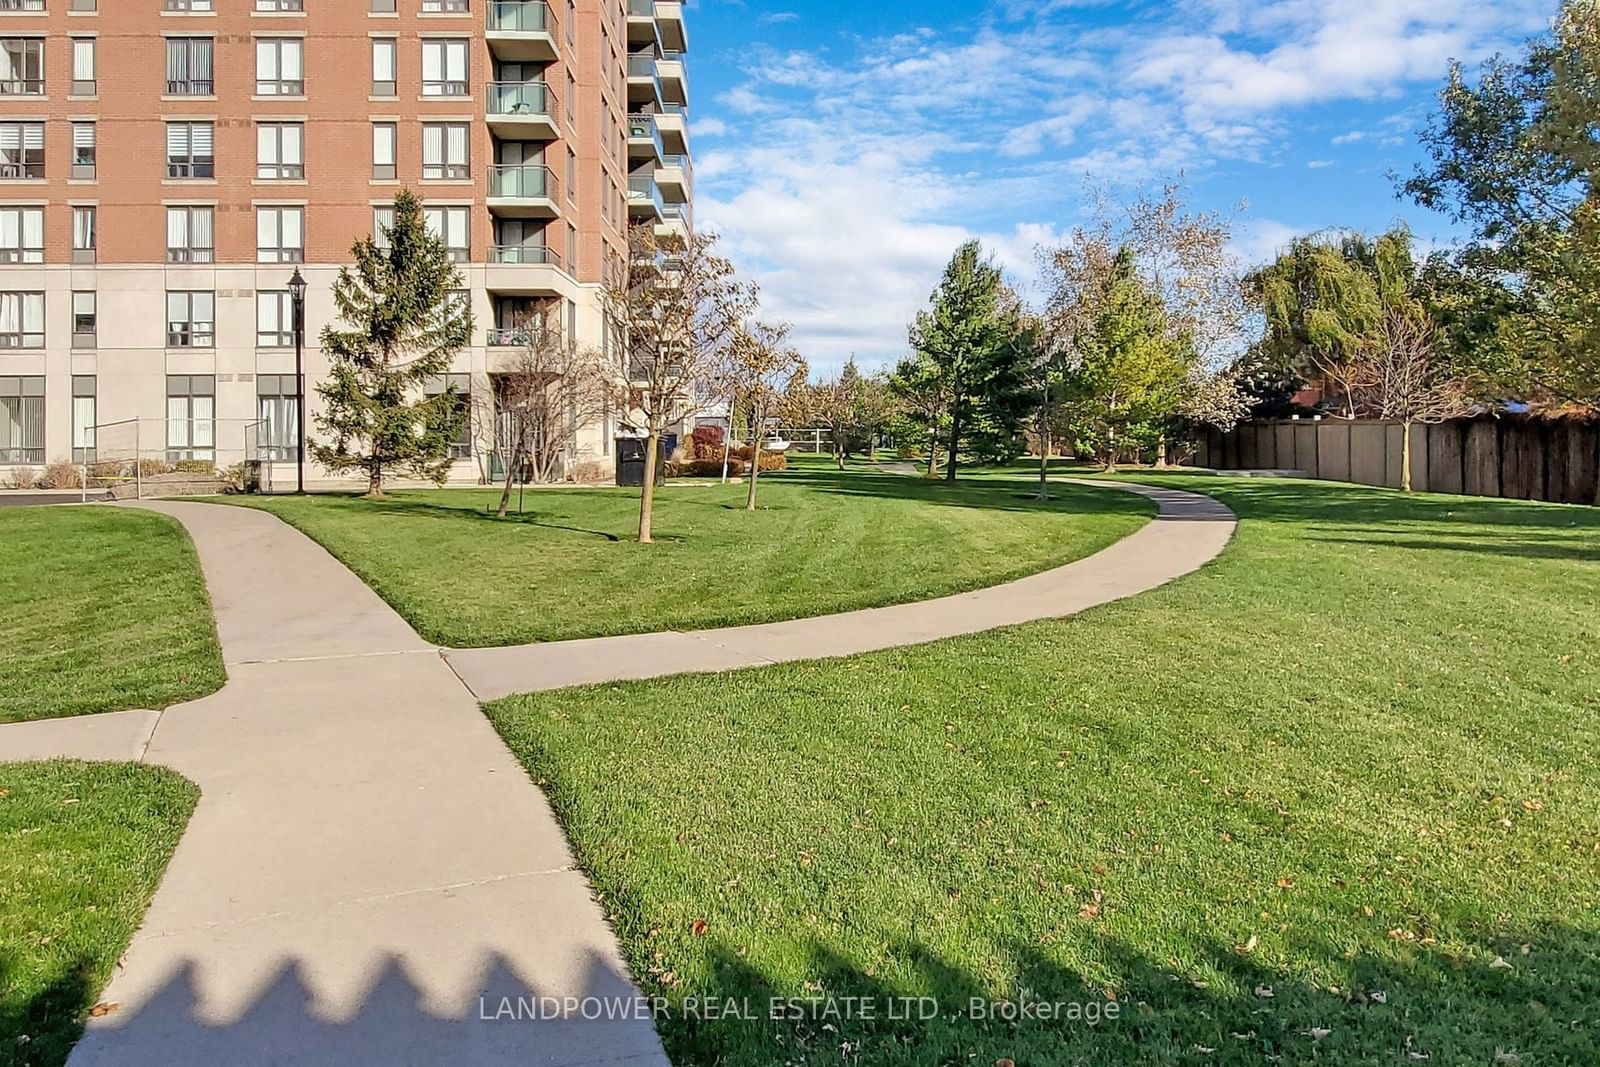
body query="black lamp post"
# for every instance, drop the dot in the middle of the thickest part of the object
(297, 293)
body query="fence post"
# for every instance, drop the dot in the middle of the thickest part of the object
(138, 462)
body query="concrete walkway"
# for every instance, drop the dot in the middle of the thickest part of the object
(1189, 531)
(370, 877)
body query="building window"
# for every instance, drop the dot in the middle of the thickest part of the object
(280, 151)
(280, 235)
(444, 67)
(21, 150)
(83, 150)
(84, 235)
(382, 223)
(189, 69)
(280, 5)
(21, 419)
(83, 418)
(444, 150)
(191, 5)
(21, 320)
(384, 65)
(453, 227)
(191, 319)
(83, 67)
(461, 386)
(191, 417)
(190, 233)
(190, 150)
(83, 318)
(22, 5)
(278, 409)
(280, 67)
(22, 66)
(21, 235)
(455, 7)
(385, 138)
(382, 7)
(274, 319)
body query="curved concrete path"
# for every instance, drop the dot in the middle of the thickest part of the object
(370, 876)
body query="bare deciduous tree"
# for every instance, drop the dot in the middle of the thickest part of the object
(547, 391)
(1412, 381)
(762, 369)
(674, 306)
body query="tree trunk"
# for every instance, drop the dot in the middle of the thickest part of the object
(1161, 452)
(1044, 460)
(375, 482)
(727, 451)
(955, 439)
(933, 449)
(755, 473)
(838, 449)
(647, 497)
(1405, 456)
(1111, 450)
(511, 478)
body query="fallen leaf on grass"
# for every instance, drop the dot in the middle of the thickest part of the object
(1317, 1033)
(1248, 947)
(1499, 964)
(103, 1008)
(698, 928)
(1510, 1059)
(1265, 992)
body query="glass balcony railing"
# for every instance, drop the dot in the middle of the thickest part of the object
(641, 65)
(525, 254)
(519, 16)
(642, 8)
(523, 181)
(642, 190)
(643, 128)
(512, 99)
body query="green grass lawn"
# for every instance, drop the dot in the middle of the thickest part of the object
(1335, 798)
(105, 609)
(82, 848)
(822, 542)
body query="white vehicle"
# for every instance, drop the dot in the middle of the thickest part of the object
(774, 443)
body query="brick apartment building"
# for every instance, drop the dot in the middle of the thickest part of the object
(166, 165)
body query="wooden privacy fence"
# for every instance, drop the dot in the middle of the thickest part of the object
(1519, 457)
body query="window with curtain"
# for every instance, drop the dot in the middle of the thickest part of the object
(384, 65)
(191, 319)
(21, 320)
(453, 227)
(189, 66)
(21, 150)
(280, 235)
(84, 137)
(191, 151)
(83, 67)
(274, 319)
(21, 235)
(85, 318)
(83, 234)
(382, 223)
(190, 234)
(280, 150)
(385, 139)
(191, 417)
(21, 419)
(444, 67)
(444, 150)
(277, 408)
(280, 66)
(22, 66)
(83, 418)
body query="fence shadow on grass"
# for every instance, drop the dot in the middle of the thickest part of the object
(1421, 1003)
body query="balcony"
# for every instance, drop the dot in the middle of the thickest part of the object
(526, 270)
(520, 31)
(524, 190)
(521, 111)
(644, 139)
(669, 23)
(644, 198)
(642, 23)
(525, 255)
(644, 87)
(673, 178)
(674, 222)
(673, 124)
(674, 81)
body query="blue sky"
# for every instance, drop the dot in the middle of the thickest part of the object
(844, 148)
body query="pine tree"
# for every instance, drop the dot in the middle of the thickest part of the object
(405, 325)
(964, 339)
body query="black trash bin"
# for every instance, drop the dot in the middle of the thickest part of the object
(630, 461)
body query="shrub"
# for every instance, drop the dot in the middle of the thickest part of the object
(591, 472)
(149, 468)
(106, 473)
(707, 442)
(195, 466)
(232, 478)
(22, 478)
(710, 467)
(62, 475)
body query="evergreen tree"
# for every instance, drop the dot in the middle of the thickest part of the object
(405, 326)
(1132, 367)
(964, 342)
